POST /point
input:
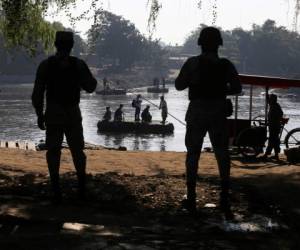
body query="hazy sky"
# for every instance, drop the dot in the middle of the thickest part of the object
(178, 17)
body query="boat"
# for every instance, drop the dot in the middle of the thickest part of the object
(157, 90)
(111, 92)
(135, 127)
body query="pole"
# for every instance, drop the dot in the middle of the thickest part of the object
(183, 123)
(266, 104)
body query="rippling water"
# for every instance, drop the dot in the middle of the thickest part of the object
(18, 120)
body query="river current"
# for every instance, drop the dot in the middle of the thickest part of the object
(18, 120)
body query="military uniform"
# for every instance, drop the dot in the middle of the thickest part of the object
(62, 78)
(209, 79)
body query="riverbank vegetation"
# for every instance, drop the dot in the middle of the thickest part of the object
(115, 46)
(266, 49)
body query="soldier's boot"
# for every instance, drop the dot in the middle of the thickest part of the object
(190, 202)
(225, 204)
(55, 185)
(224, 194)
(79, 160)
(53, 161)
(81, 186)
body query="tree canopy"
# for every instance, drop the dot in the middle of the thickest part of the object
(267, 49)
(18, 60)
(22, 21)
(116, 41)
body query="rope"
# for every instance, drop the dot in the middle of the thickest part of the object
(183, 123)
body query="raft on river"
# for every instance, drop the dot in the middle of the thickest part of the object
(135, 127)
(157, 90)
(111, 92)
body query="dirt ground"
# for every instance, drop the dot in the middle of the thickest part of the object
(134, 202)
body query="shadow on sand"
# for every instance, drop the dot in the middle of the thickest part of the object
(144, 212)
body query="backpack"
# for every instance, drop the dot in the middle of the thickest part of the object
(133, 104)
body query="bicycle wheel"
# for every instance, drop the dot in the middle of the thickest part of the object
(292, 139)
(251, 141)
(249, 151)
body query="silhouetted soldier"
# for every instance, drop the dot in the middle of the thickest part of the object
(62, 77)
(164, 109)
(209, 79)
(274, 123)
(146, 116)
(107, 115)
(119, 115)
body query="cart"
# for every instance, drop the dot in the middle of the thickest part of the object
(248, 136)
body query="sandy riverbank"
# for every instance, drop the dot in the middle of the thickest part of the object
(142, 163)
(134, 203)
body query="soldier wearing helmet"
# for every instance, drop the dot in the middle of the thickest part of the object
(209, 80)
(62, 77)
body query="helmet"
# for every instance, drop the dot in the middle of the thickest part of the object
(210, 35)
(64, 39)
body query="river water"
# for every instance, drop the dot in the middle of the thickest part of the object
(18, 120)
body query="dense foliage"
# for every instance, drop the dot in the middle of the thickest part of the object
(22, 21)
(17, 60)
(267, 49)
(116, 41)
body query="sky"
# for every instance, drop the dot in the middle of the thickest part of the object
(178, 18)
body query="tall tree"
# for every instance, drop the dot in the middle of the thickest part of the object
(116, 40)
(267, 49)
(18, 60)
(23, 20)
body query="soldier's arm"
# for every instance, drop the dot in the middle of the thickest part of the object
(39, 88)
(234, 86)
(183, 79)
(88, 82)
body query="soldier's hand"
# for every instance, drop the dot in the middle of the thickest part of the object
(41, 122)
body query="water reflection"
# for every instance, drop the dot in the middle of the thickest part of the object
(137, 142)
(18, 120)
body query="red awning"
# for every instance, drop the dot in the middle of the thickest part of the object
(269, 81)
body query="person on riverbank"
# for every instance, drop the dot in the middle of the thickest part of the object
(107, 115)
(146, 116)
(164, 109)
(275, 115)
(119, 114)
(62, 77)
(209, 79)
(137, 104)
